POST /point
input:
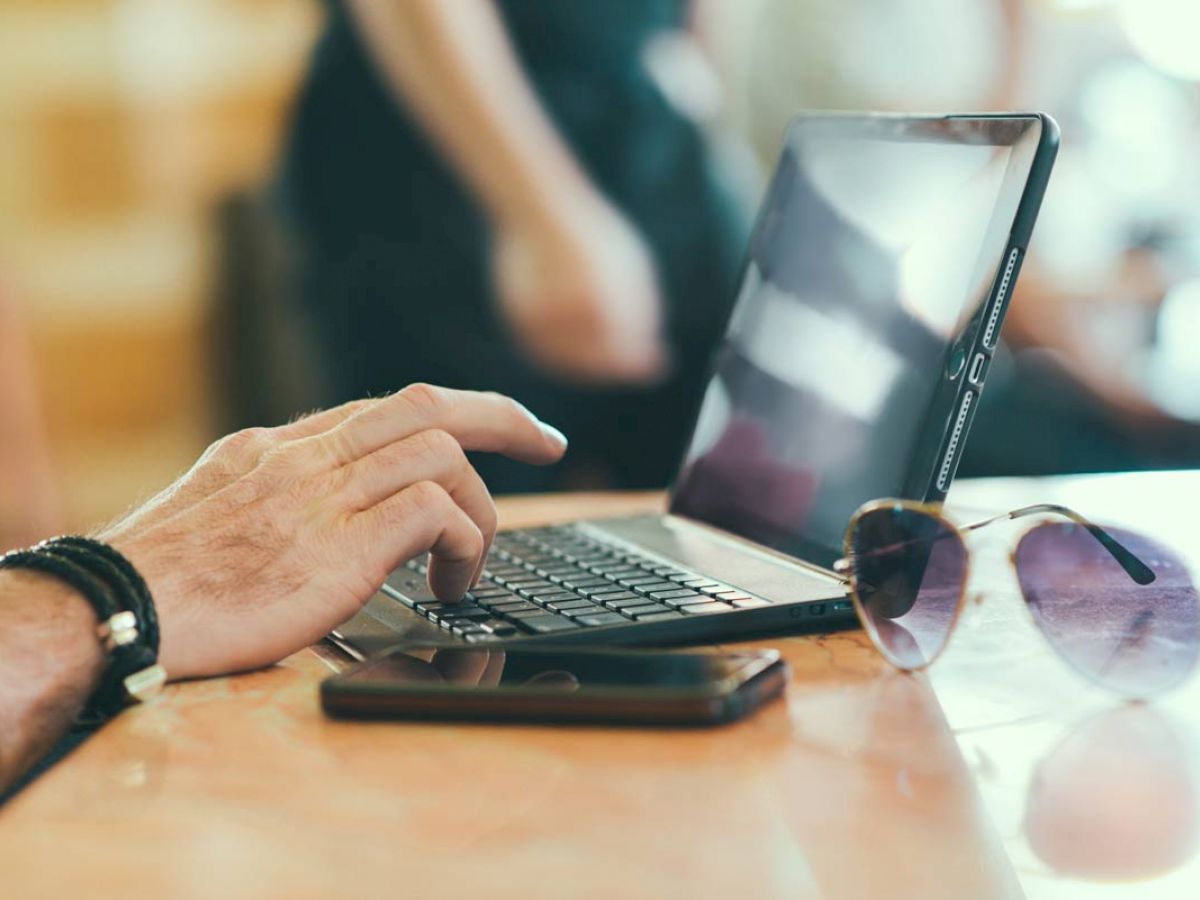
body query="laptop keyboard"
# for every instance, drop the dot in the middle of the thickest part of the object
(557, 579)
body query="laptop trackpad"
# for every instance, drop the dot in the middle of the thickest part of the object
(693, 548)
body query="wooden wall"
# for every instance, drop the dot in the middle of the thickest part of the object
(122, 124)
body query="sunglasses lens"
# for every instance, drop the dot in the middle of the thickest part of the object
(1136, 639)
(909, 570)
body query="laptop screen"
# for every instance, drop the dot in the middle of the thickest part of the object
(877, 243)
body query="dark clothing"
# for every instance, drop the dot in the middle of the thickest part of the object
(396, 252)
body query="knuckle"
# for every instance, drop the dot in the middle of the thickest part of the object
(245, 445)
(285, 458)
(426, 399)
(430, 499)
(440, 444)
(339, 445)
(232, 456)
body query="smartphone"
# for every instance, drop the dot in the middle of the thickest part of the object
(564, 684)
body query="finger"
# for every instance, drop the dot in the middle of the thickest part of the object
(428, 456)
(462, 666)
(478, 421)
(421, 518)
(555, 678)
(495, 668)
(321, 421)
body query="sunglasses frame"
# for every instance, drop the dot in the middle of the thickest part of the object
(844, 567)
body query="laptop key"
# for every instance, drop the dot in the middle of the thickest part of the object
(719, 588)
(580, 612)
(463, 612)
(676, 594)
(556, 572)
(609, 592)
(690, 600)
(529, 589)
(521, 615)
(704, 609)
(499, 627)
(547, 624)
(634, 580)
(639, 612)
(573, 603)
(617, 570)
(655, 586)
(512, 607)
(480, 637)
(582, 584)
(599, 619)
(750, 602)
(655, 617)
(487, 591)
(545, 597)
(626, 601)
(492, 600)
(669, 572)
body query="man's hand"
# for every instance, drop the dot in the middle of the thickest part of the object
(278, 535)
(580, 294)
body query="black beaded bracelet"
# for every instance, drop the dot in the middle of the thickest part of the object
(124, 606)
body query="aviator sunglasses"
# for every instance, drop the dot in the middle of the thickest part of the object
(1118, 607)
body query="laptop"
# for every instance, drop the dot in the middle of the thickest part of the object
(868, 312)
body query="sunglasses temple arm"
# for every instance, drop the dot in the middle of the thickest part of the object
(1134, 567)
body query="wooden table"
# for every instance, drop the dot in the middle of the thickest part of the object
(1000, 774)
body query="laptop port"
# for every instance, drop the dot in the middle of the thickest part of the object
(977, 365)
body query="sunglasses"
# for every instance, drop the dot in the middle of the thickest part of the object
(1118, 607)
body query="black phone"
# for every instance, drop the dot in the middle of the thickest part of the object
(549, 684)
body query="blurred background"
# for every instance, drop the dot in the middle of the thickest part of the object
(144, 276)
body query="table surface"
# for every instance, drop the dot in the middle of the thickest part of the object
(998, 774)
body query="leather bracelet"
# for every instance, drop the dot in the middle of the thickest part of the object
(107, 563)
(122, 602)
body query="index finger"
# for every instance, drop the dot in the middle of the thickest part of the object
(478, 421)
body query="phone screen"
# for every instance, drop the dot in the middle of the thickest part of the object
(554, 670)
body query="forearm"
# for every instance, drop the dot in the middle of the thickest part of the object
(50, 663)
(453, 65)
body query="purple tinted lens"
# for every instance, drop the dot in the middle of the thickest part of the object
(1137, 639)
(909, 569)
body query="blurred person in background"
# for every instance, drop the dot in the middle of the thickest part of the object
(29, 507)
(1084, 382)
(518, 195)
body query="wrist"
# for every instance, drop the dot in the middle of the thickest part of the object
(51, 662)
(551, 207)
(58, 629)
(123, 608)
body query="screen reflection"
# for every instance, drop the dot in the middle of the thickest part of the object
(871, 257)
(565, 670)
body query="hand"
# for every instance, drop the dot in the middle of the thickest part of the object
(580, 294)
(278, 535)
